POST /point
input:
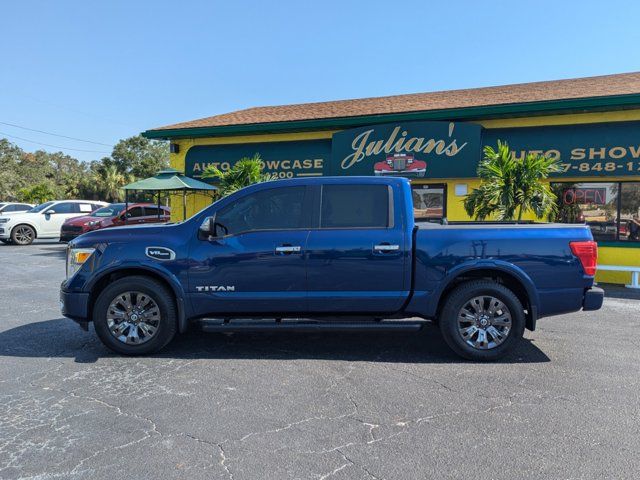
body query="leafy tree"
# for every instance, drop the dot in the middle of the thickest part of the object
(509, 187)
(39, 193)
(10, 181)
(109, 181)
(139, 156)
(67, 177)
(247, 171)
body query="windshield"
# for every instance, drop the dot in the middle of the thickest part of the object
(109, 211)
(40, 207)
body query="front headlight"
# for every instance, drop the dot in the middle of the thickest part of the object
(75, 258)
(93, 223)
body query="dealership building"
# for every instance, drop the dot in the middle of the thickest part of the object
(591, 125)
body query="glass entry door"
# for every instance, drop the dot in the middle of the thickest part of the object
(429, 201)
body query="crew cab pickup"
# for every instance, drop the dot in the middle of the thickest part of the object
(327, 253)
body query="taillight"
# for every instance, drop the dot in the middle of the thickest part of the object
(587, 252)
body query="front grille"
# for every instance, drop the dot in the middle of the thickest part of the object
(71, 229)
(399, 163)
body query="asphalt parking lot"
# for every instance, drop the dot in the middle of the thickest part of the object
(340, 406)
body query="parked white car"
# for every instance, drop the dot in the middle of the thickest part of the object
(43, 221)
(7, 208)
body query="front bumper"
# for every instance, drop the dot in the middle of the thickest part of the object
(67, 237)
(68, 234)
(75, 305)
(593, 298)
(5, 231)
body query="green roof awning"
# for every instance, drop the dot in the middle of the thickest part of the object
(169, 179)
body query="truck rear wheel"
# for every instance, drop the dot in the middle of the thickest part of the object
(135, 316)
(482, 320)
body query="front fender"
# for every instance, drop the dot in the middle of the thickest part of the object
(151, 267)
(31, 224)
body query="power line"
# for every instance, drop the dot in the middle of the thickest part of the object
(53, 146)
(55, 134)
(65, 107)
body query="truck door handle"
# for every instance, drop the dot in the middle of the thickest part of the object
(386, 247)
(288, 249)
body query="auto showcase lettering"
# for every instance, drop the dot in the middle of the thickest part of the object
(607, 149)
(274, 168)
(279, 159)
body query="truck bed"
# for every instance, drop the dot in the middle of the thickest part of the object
(533, 254)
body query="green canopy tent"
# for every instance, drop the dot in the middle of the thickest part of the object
(169, 180)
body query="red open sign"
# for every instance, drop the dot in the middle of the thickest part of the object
(596, 196)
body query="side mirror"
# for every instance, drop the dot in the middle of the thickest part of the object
(206, 229)
(50, 212)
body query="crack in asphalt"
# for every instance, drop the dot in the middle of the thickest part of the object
(223, 461)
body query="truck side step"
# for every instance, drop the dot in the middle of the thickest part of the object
(299, 325)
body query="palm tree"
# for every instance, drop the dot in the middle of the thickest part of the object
(509, 186)
(247, 171)
(110, 181)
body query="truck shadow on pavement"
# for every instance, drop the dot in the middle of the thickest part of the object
(61, 338)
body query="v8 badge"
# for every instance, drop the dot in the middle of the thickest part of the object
(160, 253)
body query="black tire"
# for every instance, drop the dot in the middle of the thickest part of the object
(459, 298)
(22, 235)
(157, 292)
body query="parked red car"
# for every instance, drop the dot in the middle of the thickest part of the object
(114, 215)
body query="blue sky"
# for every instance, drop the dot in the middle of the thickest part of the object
(103, 71)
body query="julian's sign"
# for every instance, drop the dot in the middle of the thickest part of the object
(434, 150)
(412, 149)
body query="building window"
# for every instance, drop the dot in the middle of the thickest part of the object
(429, 201)
(610, 209)
(630, 211)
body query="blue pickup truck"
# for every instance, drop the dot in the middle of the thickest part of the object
(327, 253)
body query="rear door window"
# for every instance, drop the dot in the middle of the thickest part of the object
(135, 212)
(354, 206)
(151, 211)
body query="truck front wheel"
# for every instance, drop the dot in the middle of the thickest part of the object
(482, 320)
(135, 316)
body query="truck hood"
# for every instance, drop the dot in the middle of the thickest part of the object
(132, 234)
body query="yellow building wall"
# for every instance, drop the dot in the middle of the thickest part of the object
(617, 256)
(455, 208)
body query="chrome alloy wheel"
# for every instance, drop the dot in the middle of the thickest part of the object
(133, 318)
(23, 235)
(484, 322)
